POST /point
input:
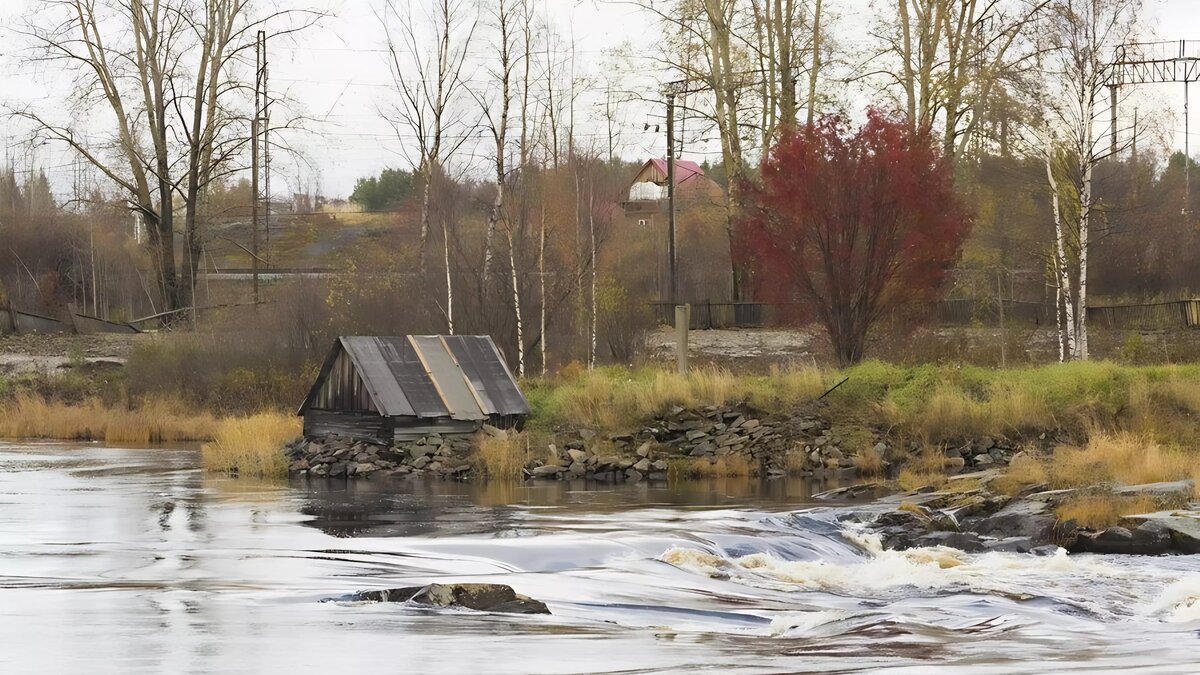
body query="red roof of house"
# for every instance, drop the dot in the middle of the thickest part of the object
(684, 169)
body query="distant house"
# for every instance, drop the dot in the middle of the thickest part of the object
(647, 197)
(385, 389)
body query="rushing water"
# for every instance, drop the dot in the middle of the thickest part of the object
(133, 561)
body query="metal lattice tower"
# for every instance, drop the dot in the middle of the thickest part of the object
(1176, 61)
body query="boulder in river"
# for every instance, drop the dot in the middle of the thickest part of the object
(1149, 538)
(481, 597)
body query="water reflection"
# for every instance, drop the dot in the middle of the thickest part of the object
(407, 508)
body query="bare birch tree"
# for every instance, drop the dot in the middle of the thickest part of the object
(428, 79)
(1082, 35)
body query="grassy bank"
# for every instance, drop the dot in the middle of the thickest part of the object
(932, 404)
(236, 445)
(30, 415)
(1095, 421)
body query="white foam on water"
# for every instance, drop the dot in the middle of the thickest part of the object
(801, 624)
(1179, 602)
(885, 573)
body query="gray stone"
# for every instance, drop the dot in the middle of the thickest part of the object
(480, 597)
(1179, 490)
(963, 541)
(421, 462)
(643, 465)
(1024, 518)
(644, 449)
(494, 432)
(1182, 526)
(1010, 545)
(983, 460)
(577, 455)
(419, 451)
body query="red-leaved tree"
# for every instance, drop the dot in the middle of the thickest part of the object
(849, 223)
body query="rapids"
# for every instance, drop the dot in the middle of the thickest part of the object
(133, 561)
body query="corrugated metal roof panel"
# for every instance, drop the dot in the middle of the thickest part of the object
(448, 377)
(395, 376)
(488, 374)
(409, 371)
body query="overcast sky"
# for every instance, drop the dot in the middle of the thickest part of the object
(338, 75)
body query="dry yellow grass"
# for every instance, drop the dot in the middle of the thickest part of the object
(502, 459)
(796, 460)
(251, 446)
(1022, 472)
(952, 413)
(611, 400)
(31, 416)
(1122, 458)
(1103, 510)
(868, 462)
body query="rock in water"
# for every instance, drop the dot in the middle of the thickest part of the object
(480, 597)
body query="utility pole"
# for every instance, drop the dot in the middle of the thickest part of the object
(672, 260)
(260, 72)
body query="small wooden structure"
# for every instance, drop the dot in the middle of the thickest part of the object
(387, 389)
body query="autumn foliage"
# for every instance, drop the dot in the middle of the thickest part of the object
(852, 223)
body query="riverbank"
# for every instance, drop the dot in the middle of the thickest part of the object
(911, 426)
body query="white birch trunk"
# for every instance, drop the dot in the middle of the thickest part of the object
(449, 281)
(592, 233)
(542, 286)
(512, 262)
(1085, 213)
(1066, 319)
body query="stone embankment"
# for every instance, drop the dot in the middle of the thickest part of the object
(731, 439)
(433, 455)
(976, 519)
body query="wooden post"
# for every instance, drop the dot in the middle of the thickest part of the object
(1003, 333)
(683, 321)
(671, 255)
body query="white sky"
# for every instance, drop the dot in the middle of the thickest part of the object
(338, 72)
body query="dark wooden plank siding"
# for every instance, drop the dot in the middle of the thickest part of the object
(343, 389)
(350, 425)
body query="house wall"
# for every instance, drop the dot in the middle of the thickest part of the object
(344, 390)
(361, 426)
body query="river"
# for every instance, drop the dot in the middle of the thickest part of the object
(134, 561)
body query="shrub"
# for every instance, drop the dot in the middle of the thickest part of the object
(251, 446)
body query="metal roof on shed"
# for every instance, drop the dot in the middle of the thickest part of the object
(458, 376)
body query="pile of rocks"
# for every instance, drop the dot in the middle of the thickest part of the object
(982, 453)
(706, 433)
(976, 520)
(336, 457)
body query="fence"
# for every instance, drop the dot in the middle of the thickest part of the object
(1154, 316)
(710, 315)
(957, 312)
(19, 321)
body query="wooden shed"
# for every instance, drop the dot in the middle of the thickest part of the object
(386, 389)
